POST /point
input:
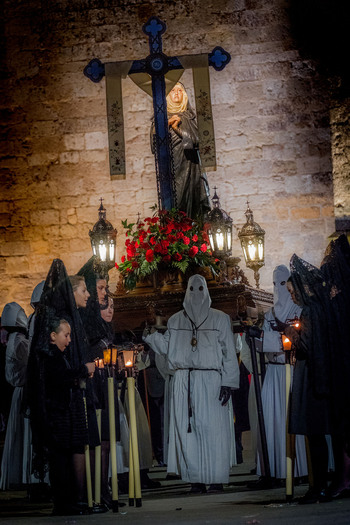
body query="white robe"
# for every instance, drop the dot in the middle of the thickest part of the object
(273, 396)
(13, 468)
(202, 455)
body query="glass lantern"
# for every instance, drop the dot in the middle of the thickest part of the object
(103, 238)
(220, 230)
(252, 238)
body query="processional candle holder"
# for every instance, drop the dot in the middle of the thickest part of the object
(290, 439)
(122, 359)
(106, 367)
(129, 355)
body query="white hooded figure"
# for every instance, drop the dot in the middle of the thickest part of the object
(200, 351)
(273, 393)
(14, 320)
(34, 301)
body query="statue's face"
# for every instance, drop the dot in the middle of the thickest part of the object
(176, 94)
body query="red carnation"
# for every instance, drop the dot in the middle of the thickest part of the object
(167, 259)
(131, 250)
(123, 259)
(195, 238)
(186, 240)
(177, 256)
(117, 266)
(192, 251)
(152, 241)
(204, 247)
(149, 255)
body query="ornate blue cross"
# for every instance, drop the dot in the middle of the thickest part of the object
(157, 64)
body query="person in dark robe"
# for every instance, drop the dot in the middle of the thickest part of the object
(336, 270)
(63, 296)
(59, 379)
(310, 406)
(192, 192)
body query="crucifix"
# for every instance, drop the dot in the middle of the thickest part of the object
(157, 74)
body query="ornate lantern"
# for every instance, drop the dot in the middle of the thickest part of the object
(252, 242)
(220, 230)
(103, 242)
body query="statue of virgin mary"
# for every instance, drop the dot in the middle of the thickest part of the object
(192, 190)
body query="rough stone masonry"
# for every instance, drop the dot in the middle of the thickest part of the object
(271, 117)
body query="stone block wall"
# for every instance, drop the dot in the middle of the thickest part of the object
(271, 117)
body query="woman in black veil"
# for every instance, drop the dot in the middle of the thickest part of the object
(61, 298)
(336, 270)
(310, 407)
(100, 337)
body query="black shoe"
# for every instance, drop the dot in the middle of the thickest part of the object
(261, 484)
(216, 488)
(198, 488)
(99, 508)
(315, 496)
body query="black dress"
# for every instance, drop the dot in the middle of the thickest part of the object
(60, 380)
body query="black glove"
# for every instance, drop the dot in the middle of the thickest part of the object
(225, 394)
(279, 326)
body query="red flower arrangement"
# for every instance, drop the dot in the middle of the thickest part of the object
(169, 241)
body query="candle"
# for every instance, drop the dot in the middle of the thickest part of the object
(107, 356)
(114, 355)
(287, 344)
(101, 363)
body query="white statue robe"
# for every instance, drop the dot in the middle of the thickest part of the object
(13, 468)
(273, 396)
(203, 454)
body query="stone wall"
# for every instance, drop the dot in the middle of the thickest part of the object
(271, 124)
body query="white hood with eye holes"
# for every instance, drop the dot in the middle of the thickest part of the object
(197, 299)
(283, 305)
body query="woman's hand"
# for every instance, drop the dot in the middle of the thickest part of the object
(174, 121)
(91, 368)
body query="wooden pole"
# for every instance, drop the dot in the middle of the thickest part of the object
(98, 461)
(134, 442)
(87, 462)
(290, 439)
(113, 443)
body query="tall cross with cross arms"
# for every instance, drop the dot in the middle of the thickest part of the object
(157, 74)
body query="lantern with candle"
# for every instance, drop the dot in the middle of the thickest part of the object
(287, 344)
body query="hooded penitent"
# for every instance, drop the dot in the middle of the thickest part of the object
(36, 295)
(14, 320)
(34, 301)
(197, 299)
(284, 308)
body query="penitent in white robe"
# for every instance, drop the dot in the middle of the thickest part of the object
(273, 396)
(203, 454)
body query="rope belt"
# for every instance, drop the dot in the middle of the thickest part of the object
(189, 429)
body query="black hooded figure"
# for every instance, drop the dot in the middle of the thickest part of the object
(336, 270)
(310, 407)
(58, 301)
